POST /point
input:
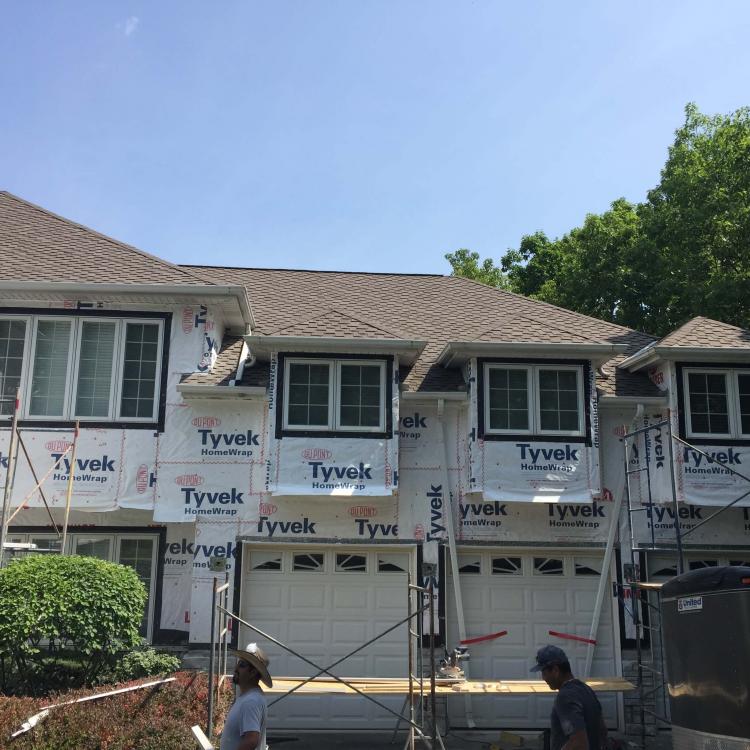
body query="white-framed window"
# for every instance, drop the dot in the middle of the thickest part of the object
(717, 402)
(533, 399)
(334, 394)
(81, 367)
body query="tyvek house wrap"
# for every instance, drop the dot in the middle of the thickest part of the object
(113, 467)
(530, 470)
(340, 466)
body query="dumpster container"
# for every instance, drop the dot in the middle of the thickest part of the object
(706, 621)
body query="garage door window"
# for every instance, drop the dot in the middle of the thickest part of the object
(312, 562)
(470, 564)
(587, 566)
(346, 563)
(265, 560)
(506, 566)
(548, 566)
(392, 563)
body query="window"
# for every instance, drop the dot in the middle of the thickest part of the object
(533, 399)
(87, 368)
(470, 564)
(548, 566)
(347, 562)
(341, 395)
(717, 402)
(507, 566)
(262, 560)
(308, 562)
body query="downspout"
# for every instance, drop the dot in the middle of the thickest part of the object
(448, 505)
(614, 524)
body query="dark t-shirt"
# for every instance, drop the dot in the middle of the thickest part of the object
(576, 707)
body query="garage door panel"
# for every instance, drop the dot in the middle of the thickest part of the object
(549, 600)
(391, 598)
(510, 599)
(308, 596)
(528, 605)
(268, 596)
(350, 598)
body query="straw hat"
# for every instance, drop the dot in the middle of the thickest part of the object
(254, 655)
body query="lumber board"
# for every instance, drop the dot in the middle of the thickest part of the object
(396, 686)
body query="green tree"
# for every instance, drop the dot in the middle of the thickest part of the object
(465, 263)
(684, 251)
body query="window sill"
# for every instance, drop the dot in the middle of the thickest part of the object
(384, 435)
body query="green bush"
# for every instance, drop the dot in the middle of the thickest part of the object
(64, 620)
(145, 662)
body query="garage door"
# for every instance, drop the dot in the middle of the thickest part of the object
(528, 594)
(323, 603)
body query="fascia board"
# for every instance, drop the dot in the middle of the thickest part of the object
(433, 395)
(684, 354)
(408, 349)
(612, 402)
(457, 352)
(178, 291)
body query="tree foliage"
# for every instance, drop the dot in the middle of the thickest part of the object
(65, 620)
(682, 252)
(466, 263)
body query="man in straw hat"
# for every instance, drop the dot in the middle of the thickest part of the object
(245, 726)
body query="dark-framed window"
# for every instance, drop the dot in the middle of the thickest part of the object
(334, 395)
(716, 402)
(542, 398)
(102, 368)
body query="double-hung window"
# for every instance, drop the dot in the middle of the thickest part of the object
(87, 368)
(326, 395)
(533, 399)
(717, 402)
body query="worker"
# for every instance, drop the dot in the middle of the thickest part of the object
(245, 725)
(576, 720)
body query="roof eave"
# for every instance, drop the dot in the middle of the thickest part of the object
(612, 400)
(407, 349)
(655, 354)
(457, 352)
(167, 290)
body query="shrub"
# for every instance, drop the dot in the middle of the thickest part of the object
(145, 662)
(63, 620)
(157, 718)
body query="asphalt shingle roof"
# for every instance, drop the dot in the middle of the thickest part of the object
(705, 332)
(37, 245)
(434, 308)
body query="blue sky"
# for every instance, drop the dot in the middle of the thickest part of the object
(352, 134)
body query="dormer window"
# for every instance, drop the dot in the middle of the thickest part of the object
(334, 395)
(717, 402)
(539, 399)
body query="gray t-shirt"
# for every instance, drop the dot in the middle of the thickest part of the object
(576, 707)
(247, 714)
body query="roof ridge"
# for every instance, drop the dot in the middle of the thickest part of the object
(105, 237)
(315, 270)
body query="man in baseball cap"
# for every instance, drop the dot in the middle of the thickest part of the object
(576, 720)
(245, 725)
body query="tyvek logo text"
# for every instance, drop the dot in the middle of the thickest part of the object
(563, 459)
(483, 514)
(228, 443)
(201, 553)
(372, 530)
(340, 473)
(85, 469)
(435, 496)
(219, 503)
(697, 463)
(269, 528)
(576, 516)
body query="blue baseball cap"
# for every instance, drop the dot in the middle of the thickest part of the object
(547, 656)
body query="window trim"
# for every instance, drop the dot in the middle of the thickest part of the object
(383, 431)
(533, 366)
(31, 315)
(731, 374)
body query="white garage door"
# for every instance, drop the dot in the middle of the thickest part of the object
(528, 594)
(323, 603)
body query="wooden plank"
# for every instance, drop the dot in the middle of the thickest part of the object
(386, 686)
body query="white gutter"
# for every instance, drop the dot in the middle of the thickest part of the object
(448, 505)
(646, 357)
(462, 350)
(177, 290)
(267, 344)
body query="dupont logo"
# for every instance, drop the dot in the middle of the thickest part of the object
(363, 511)
(606, 495)
(267, 509)
(419, 532)
(58, 446)
(141, 479)
(189, 480)
(206, 422)
(316, 454)
(620, 430)
(187, 319)
(69, 304)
